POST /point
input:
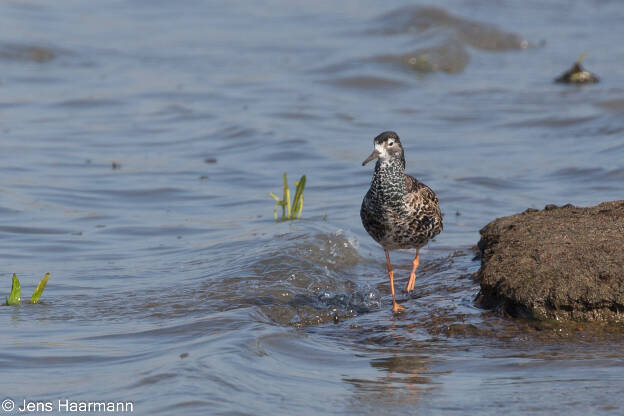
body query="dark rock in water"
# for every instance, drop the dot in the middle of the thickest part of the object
(414, 19)
(563, 263)
(577, 75)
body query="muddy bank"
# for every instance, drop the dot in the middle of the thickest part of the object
(557, 263)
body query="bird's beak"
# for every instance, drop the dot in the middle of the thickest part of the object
(372, 156)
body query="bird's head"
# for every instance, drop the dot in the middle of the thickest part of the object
(387, 148)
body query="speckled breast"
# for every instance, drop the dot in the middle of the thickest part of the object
(397, 227)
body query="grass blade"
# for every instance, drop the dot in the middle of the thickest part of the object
(287, 213)
(298, 198)
(39, 289)
(290, 211)
(272, 195)
(16, 292)
(277, 203)
(298, 213)
(288, 207)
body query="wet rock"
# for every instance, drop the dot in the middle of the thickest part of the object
(577, 74)
(413, 19)
(562, 263)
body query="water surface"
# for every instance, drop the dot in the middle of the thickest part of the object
(140, 141)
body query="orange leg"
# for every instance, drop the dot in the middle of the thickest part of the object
(395, 306)
(412, 278)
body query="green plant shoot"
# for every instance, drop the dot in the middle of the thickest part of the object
(298, 198)
(290, 211)
(16, 292)
(15, 296)
(39, 289)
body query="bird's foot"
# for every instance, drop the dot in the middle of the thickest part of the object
(396, 308)
(409, 288)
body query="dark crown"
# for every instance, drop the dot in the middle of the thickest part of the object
(383, 137)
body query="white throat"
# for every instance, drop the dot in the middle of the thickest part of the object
(384, 157)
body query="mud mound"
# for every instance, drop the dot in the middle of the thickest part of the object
(557, 263)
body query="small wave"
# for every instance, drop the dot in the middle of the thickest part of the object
(306, 281)
(89, 103)
(612, 105)
(366, 82)
(555, 122)
(297, 278)
(31, 230)
(591, 175)
(492, 183)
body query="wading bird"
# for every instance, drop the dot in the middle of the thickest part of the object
(398, 211)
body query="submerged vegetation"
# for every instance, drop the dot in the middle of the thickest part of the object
(16, 291)
(290, 211)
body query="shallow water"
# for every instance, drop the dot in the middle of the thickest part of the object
(140, 141)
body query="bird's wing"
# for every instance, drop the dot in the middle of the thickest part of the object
(421, 197)
(419, 191)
